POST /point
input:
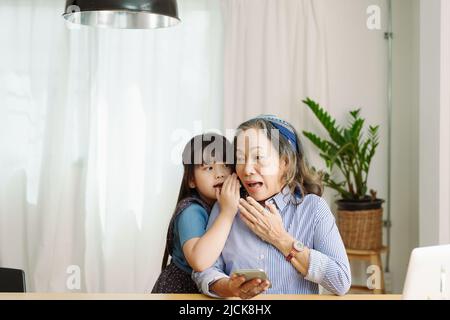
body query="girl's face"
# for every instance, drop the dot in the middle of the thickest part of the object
(208, 177)
(258, 164)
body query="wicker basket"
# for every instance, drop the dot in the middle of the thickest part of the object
(362, 229)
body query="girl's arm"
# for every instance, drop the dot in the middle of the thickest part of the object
(201, 253)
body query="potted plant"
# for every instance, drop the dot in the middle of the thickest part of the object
(348, 152)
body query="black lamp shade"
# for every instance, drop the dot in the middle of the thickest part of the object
(123, 14)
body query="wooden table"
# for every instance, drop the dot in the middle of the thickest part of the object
(139, 296)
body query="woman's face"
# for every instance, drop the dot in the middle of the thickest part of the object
(258, 164)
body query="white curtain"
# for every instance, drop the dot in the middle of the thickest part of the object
(275, 56)
(92, 123)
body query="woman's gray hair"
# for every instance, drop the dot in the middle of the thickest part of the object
(298, 175)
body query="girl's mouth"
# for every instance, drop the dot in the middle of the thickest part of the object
(218, 185)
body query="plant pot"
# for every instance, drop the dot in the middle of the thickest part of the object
(360, 223)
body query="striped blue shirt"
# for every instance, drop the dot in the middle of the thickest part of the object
(310, 222)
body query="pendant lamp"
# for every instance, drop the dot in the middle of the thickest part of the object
(122, 14)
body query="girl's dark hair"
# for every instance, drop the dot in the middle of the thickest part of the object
(298, 175)
(201, 149)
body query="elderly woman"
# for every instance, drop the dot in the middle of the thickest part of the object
(283, 227)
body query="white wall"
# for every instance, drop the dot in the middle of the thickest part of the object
(357, 65)
(434, 122)
(357, 61)
(444, 185)
(445, 121)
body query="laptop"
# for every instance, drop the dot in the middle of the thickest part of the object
(428, 276)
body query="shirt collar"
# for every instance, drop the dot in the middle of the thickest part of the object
(282, 199)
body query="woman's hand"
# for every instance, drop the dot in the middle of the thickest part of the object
(228, 196)
(246, 290)
(266, 224)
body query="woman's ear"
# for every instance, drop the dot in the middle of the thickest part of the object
(191, 183)
(283, 163)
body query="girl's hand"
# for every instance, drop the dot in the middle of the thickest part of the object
(228, 197)
(266, 224)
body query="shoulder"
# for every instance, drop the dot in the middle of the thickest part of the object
(193, 211)
(316, 206)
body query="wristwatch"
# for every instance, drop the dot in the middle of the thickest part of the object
(297, 247)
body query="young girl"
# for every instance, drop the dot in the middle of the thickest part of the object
(206, 178)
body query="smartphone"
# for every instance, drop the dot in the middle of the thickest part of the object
(250, 274)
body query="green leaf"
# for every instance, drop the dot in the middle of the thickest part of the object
(345, 149)
(355, 113)
(326, 120)
(318, 142)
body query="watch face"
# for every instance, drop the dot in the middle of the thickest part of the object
(298, 246)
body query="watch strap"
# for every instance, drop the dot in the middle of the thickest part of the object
(291, 255)
(294, 251)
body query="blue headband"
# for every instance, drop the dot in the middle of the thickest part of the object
(284, 128)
